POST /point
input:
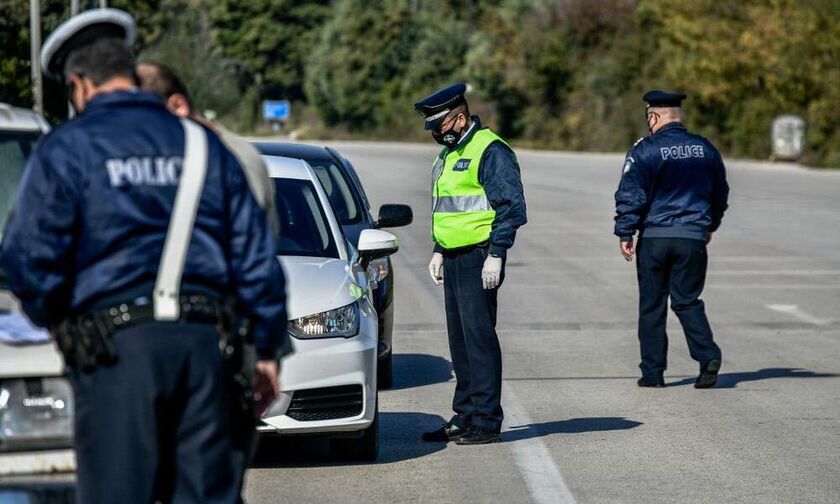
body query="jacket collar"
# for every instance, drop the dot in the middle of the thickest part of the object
(672, 126)
(130, 97)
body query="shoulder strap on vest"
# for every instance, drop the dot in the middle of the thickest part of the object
(166, 299)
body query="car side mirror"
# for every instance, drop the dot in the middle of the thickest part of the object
(374, 243)
(394, 215)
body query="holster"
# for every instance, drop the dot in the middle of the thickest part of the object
(240, 362)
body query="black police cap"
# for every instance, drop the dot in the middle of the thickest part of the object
(435, 106)
(81, 30)
(663, 99)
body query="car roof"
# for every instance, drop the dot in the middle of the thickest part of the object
(20, 119)
(289, 168)
(295, 150)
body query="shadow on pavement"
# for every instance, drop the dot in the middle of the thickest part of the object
(731, 380)
(399, 440)
(416, 370)
(571, 426)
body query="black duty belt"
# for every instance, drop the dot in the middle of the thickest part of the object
(86, 340)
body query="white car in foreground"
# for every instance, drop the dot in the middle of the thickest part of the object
(329, 382)
(37, 463)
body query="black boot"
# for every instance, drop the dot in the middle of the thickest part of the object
(708, 375)
(449, 432)
(644, 383)
(478, 436)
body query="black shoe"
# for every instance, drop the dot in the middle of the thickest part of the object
(646, 384)
(449, 432)
(708, 375)
(478, 436)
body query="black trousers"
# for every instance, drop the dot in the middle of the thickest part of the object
(674, 267)
(155, 426)
(473, 342)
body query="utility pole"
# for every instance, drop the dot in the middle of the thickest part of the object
(74, 7)
(35, 58)
(103, 4)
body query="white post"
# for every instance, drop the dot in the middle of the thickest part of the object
(35, 48)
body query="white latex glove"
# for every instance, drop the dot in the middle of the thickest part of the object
(491, 273)
(436, 268)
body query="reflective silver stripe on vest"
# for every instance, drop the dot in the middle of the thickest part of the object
(461, 204)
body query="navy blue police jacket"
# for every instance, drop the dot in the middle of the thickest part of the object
(93, 210)
(673, 185)
(499, 174)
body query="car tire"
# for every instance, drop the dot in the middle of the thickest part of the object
(361, 449)
(385, 371)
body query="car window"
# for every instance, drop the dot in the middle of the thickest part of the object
(304, 228)
(15, 147)
(339, 192)
(355, 175)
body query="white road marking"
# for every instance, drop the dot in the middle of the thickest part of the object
(797, 313)
(542, 476)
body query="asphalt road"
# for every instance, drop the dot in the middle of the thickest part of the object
(578, 429)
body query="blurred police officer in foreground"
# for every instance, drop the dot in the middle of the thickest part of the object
(673, 191)
(135, 297)
(477, 204)
(163, 80)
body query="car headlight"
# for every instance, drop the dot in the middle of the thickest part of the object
(36, 413)
(339, 323)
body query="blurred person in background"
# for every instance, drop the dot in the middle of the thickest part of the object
(164, 81)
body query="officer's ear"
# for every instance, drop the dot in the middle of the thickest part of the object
(179, 105)
(80, 90)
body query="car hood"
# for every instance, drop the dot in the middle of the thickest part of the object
(21, 361)
(26, 360)
(317, 284)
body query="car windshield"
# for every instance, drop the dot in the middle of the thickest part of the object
(15, 147)
(304, 229)
(338, 191)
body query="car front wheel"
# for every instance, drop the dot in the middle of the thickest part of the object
(385, 371)
(361, 449)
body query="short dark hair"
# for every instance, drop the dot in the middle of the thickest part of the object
(164, 81)
(101, 61)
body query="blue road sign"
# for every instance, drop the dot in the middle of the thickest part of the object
(276, 110)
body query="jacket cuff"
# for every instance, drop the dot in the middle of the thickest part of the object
(273, 353)
(626, 238)
(438, 249)
(498, 251)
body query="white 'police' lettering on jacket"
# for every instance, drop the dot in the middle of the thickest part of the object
(147, 170)
(682, 151)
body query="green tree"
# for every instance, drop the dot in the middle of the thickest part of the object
(354, 74)
(271, 38)
(187, 47)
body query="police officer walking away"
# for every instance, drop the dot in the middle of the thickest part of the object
(673, 191)
(136, 241)
(477, 204)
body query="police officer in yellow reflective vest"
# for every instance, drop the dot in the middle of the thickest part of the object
(477, 206)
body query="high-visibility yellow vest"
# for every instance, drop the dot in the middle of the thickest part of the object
(461, 213)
